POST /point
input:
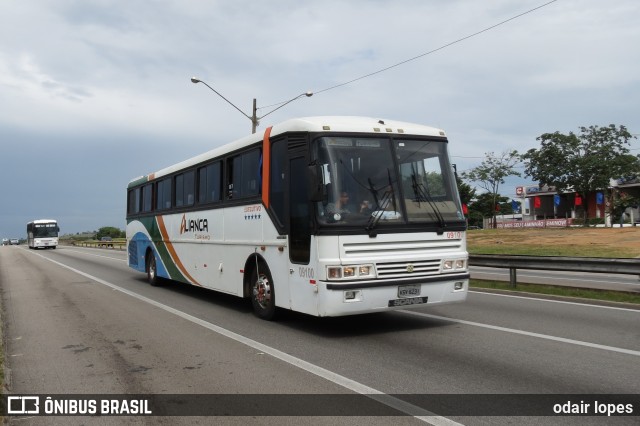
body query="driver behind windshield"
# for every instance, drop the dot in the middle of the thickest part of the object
(342, 205)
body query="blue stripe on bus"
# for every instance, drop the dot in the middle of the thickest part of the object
(142, 242)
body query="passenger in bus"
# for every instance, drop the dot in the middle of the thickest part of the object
(340, 206)
(366, 207)
(343, 206)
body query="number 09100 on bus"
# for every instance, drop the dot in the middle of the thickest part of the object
(327, 216)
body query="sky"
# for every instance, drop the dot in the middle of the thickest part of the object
(96, 93)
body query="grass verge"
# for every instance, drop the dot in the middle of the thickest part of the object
(572, 242)
(551, 290)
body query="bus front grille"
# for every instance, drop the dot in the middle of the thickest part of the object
(399, 249)
(408, 269)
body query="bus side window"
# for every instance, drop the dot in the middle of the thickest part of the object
(230, 177)
(185, 189)
(146, 198)
(189, 188)
(163, 194)
(179, 190)
(134, 201)
(235, 186)
(202, 185)
(243, 173)
(251, 173)
(209, 183)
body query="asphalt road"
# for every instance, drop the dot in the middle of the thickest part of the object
(79, 321)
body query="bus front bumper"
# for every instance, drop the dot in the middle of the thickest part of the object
(356, 297)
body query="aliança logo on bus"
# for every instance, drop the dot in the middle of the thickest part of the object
(194, 225)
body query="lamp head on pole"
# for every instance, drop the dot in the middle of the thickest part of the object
(255, 120)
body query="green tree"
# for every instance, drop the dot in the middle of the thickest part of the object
(621, 202)
(583, 163)
(109, 231)
(466, 191)
(490, 174)
(484, 205)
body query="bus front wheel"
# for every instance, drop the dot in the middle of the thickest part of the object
(263, 296)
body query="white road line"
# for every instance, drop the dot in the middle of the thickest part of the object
(527, 333)
(338, 379)
(485, 293)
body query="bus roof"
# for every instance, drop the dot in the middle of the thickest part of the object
(43, 221)
(353, 124)
(304, 124)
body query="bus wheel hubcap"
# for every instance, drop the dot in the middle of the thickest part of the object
(152, 269)
(262, 291)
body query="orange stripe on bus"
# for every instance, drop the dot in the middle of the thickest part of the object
(172, 250)
(266, 166)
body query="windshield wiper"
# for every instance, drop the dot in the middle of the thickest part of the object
(422, 194)
(388, 197)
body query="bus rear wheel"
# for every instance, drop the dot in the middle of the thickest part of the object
(152, 270)
(263, 296)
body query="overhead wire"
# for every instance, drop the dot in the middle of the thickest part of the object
(444, 46)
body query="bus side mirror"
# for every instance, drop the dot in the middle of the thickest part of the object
(316, 189)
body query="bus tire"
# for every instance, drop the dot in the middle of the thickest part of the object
(152, 270)
(263, 296)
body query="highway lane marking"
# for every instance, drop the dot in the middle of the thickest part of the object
(527, 333)
(556, 301)
(395, 403)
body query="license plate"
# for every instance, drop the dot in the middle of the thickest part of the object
(408, 301)
(408, 290)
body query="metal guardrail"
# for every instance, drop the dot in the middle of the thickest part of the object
(556, 263)
(101, 244)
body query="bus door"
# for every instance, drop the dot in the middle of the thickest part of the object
(302, 295)
(299, 215)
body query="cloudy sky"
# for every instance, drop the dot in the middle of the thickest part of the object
(95, 93)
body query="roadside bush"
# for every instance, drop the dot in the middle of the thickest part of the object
(591, 222)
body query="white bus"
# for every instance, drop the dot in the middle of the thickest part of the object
(267, 218)
(42, 233)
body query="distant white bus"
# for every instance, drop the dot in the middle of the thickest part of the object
(42, 233)
(327, 216)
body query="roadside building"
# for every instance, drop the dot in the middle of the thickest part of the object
(545, 203)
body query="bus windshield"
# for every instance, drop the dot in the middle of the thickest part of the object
(45, 230)
(369, 181)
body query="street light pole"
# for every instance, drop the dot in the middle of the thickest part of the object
(255, 120)
(254, 117)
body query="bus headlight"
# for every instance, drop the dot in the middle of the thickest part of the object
(350, 272)
(454, 265)
(334, 272)
(364, 270)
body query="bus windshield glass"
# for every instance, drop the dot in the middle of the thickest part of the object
(45, 230)
(371, 181)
